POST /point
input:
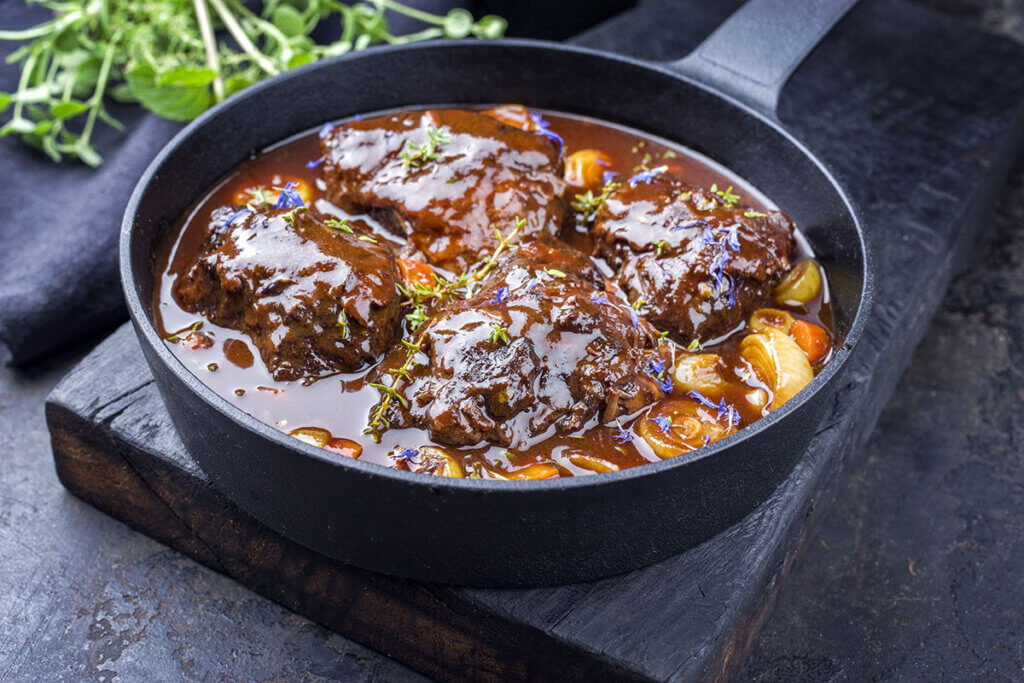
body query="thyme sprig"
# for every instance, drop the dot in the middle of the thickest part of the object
(415, 155)
(588, 204)
(378, 422)
(417, 295)
(178, 58)
(728, 197)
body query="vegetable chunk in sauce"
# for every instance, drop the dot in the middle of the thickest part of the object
(493, 293)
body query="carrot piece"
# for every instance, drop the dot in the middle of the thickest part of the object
(812, 339)
(537, 470)
(346, 447)
(416, 272)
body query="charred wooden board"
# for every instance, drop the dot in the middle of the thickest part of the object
(896, 102)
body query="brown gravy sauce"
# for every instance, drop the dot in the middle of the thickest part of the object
(340, 403)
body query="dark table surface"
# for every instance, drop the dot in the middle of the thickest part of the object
(914, 572)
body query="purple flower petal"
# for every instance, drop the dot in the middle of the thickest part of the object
(663, 422)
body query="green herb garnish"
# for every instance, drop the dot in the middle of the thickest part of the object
(194, 327)
(588, 204)
(343, 324)
(415, 155)
(727, 196)
(499, 334)
(341, 225)
(179, 58)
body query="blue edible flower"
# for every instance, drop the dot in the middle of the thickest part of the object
(314, 163)
(692, 224)
(655, 367)
(728, 412)
(231, 219)
(663, 422)
(732, 240)
(326, 130)
(598, 299)
(623, 436)
(500, 296)
(665, 384)
(634, 317)
(543, 129)
(702, 399)
(647, 176)
(407, 453)
(289, 197)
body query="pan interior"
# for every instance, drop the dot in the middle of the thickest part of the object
(618, 91)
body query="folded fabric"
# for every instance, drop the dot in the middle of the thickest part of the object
(59, 223)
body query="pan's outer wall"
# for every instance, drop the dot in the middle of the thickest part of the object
(509, 534)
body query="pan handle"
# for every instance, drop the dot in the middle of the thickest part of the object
(753, 53)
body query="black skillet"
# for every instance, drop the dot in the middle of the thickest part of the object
(720, 100)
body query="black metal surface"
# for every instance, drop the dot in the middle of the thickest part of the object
(752, 54)
(562, 530)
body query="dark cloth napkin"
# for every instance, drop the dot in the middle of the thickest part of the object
(59, 223)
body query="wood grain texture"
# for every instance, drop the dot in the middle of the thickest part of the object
(921, 139)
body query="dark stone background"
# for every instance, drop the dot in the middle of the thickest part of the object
(915, 572)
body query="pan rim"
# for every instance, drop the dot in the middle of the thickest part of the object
(141, 315)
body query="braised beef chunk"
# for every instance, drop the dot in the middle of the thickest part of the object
(538, 348)
(699, 263)
(315, 299)
(446, 179)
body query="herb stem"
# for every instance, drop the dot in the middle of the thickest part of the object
(52, 27)
(95, 104)
(268, 28)
(410, 12)
(239, 34)
(210, 45)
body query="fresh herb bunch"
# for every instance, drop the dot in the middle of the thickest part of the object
(178, 58)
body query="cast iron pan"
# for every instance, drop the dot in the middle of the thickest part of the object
(720, 100)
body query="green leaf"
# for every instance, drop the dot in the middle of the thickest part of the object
(288, 20)
(66, 41)
(458, 23)
(122, 93)
(300, 58)
(68, 109)
(5, 101)
(17, 127)
(187, 76)
(370, 22)
(174, 102)
(88, 155)
(490, 27)
(42, 128)
(236, 83)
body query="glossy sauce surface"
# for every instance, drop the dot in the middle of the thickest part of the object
(228, 361)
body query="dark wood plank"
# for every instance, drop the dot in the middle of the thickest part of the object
(921, 138)
(115, 448)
